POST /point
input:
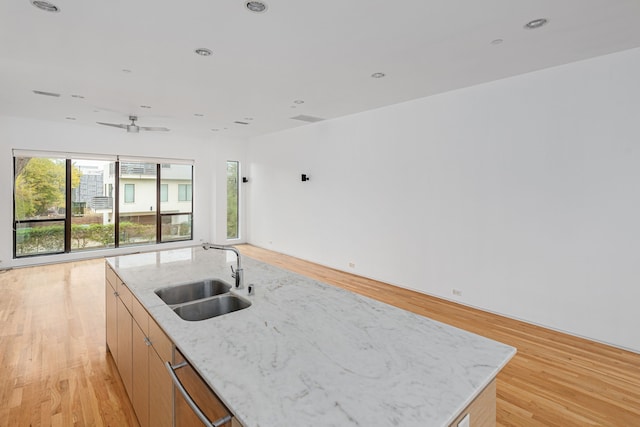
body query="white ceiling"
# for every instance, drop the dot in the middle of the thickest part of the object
(322, 52)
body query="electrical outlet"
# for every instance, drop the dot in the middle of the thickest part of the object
(457, 292)
(352, 264)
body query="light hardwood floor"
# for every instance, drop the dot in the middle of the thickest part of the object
(554, 379)
(54, 369)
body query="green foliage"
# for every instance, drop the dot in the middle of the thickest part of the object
(232, 200)
(40, 186)
(24, 199)
(185, 229)
(43, 182)
(40, 239)
(83, 236)
(132, 232)
(92, 235)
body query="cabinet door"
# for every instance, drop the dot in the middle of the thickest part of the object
(125, 343)
(140, 380)
(111, 314)
(160, 393)
(160, 384)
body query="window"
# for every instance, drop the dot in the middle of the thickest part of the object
(176, 215)
(232, 199)
(184, 192)
(137, 215)
(40, 205)
(164, 192)
(92, 226)
(66, 204)
(129, 193)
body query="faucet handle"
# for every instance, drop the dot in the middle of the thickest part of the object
(233, 272)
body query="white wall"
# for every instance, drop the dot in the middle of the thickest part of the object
(523, 194)
(209, 189)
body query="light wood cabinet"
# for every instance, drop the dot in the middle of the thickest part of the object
(482, 410)
(140, 377)
(160, 385)
(140, 349)
(111, 314)
(200, 394)
(125, 343)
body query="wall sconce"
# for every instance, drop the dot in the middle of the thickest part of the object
(305, 177)
(245, 179)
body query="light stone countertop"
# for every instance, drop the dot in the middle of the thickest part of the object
(306, 353)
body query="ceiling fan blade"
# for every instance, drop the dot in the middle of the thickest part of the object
(154, 128)
(113, 125)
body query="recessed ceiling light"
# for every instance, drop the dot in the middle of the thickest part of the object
(41, 92)
(126, 70)
(248, 118)
(241, 123)
(215, 130)
(202, 51)
(77, 96)
(378, 75)
(45, 5)
(70, 118)
(305, 118)
(198, 115)
(145, 106)
(496, 41)
(298, 101)
(256, 6)
(536, 23)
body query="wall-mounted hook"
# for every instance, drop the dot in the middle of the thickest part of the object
(245, 179)
(305, 177)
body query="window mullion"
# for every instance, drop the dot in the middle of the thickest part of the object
(158, 208)
(116, 205)
(68, 207)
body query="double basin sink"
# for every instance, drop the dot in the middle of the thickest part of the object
(202, 300)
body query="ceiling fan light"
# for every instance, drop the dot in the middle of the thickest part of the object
(203, 51)
(45, 5)
(536, 23)
(256, 6)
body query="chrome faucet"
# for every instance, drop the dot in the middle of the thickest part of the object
(238, 272)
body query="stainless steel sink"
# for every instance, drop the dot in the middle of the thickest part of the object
(212, 307)
(193, 291)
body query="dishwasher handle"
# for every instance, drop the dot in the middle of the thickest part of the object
(189, 400)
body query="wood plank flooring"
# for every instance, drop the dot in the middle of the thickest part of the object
(554, 380)
(54, 368)
(55, 371)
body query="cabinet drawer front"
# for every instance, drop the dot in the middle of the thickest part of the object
(201, 395)
(111, 276)
(160, 342)
(140, 316)
(125, 295)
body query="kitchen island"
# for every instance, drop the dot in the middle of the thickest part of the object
(307, 353)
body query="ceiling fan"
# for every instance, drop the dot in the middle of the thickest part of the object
(133, 127)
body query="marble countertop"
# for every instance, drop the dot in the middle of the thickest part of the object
(307, 353)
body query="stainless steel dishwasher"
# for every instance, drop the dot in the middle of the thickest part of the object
(194, 402)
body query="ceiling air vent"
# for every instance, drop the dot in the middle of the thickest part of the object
(305, 118)
(39, 92)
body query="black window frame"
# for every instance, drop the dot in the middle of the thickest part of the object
(67, 220)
